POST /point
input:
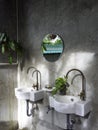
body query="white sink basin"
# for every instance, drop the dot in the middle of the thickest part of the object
(23, 93)
(69, 104)
(66, 99)
(63, 104)
(29, 94)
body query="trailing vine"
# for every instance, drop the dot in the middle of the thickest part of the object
(8, 46)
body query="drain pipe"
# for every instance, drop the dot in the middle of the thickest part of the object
(28, 111)
(27, 104)
(70, 122)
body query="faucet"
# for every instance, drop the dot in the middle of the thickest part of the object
(37, 72)
(37, 84)
(83, 92)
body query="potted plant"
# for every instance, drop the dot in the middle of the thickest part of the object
(60, 86)
(10, 47)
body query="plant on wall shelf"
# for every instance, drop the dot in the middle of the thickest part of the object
(10, 47)
(60, 86)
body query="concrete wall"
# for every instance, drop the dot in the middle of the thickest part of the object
(76, 22)
(8, 73)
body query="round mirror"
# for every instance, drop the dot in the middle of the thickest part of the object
(52, 47)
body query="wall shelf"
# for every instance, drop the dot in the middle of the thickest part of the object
(1, 64)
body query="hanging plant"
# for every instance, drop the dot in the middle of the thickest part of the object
(10, 47)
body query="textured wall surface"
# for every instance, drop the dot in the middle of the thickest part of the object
(8, 20)
(76, 22)
(8, 74)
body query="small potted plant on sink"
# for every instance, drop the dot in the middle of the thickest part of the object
(60, 86)
(10, 48)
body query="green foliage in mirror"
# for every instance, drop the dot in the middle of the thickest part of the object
(52, 45)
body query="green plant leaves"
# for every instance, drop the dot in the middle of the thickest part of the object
(44, 48)
(3, 37)
(12, 45)
(54, 91)
(59, 84)
(9, 46)
(3, 49)
(10, 58)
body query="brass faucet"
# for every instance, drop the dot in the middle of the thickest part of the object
(83, 92)
(37, 83)
(37, 77)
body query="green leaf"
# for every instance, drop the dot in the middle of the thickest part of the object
(3, 49)
(3, 37)
(12, 45)
(8, 46)
(44, 48)
(59, 84)
(10, 59)
(54, 91)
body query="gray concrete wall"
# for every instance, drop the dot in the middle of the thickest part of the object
(76, 22)
(8, 73)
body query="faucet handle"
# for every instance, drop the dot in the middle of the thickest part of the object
(35, 86)
(82, 95)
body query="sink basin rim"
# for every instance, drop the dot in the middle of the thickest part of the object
(23, 89)
(66, 99)
(28, 93)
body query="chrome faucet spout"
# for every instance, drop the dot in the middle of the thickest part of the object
(83, 93)
(75, 77)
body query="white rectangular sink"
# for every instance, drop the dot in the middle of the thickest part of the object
(23, 93)
(29, 94)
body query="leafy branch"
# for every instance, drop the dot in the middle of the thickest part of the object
(60, 84)
(9, 46)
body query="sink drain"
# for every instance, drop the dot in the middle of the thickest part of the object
(72, 99)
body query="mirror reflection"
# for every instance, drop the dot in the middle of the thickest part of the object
(52, 47)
